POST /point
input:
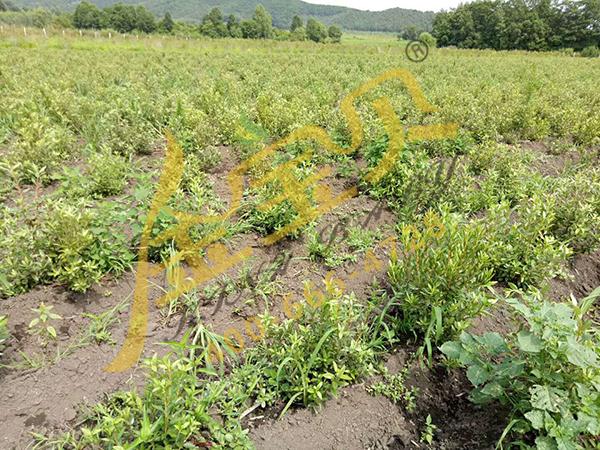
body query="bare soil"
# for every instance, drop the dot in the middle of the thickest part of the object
(48, 398)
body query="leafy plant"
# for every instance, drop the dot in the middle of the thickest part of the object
(329, 253)
(40, 325)
(173, 411)
(440, 277)
(428, 434)
(576, 202)
(548, 371)
(522, 249)
(394, 388)
(107, 174)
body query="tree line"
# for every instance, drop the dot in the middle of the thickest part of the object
(119, 17)
(260, 26)
(520, 25)
(127, 18)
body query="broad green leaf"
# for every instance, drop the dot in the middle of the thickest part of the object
(493, 390)
(546, 398)
(536, 417)
(451, 349)
(477, 375)
(580, 355)
(493, 342)
(529, 342)
(545, 443)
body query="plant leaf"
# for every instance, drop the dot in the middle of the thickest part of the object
(529, 342)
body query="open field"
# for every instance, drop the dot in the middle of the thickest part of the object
(358, 328)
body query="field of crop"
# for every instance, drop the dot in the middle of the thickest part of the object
(444, 302)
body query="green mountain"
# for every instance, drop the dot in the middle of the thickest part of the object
(283, 11)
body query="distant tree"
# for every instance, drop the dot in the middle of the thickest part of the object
(87, 15)
(144, 20)
(299, 34)
(64, 20)
(249, 29)
(233, 27)
(264, 23)
(296, 23)
(7, 6)
(213, 25)
(410, 33)
(120, 17)
(335, 34)
(316, 31)
(214, 17)
(167, 24)
(520, 24)
(428, 39)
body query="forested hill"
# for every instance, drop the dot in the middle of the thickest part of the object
(283, 11)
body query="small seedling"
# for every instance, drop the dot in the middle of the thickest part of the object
(428, 433)
(40, 325)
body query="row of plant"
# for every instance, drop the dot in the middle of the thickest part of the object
(495, 219)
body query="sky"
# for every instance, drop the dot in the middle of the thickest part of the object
(380, 5)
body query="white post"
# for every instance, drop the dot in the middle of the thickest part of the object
(109, 35)
(1, 29)
(45, 34)
(80, 33)
(24, 31)
(95, 34)
(63, 33)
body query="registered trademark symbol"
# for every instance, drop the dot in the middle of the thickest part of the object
(417, 51)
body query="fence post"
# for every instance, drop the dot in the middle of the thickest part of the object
(24, 31)
(45, 34)
(80, 33)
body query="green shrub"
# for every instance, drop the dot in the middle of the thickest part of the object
(84, 245)
(333, 341)
(122, 136)
(41, 148)
(23, 261)
(70, 244)
(495, 173)
(548, 371)
(428, 39)
(590, 52)
(576, 200)
(269, 220)
(440, 276)
(414, 184)
(522, 249)
(107, 174)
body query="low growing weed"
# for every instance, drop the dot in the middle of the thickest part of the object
(394, 388)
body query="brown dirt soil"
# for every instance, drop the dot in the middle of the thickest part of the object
(49, 398)
(358, 420)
